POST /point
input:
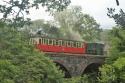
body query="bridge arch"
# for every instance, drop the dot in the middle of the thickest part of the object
(92, 71)
(92, 68)
(64, 70)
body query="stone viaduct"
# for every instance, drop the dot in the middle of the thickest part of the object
(77, 64)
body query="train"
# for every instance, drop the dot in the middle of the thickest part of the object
(45, 44)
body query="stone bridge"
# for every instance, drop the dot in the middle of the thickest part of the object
(77, 64)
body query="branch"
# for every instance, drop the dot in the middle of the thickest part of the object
(20, 8)
(117, 2)
(7, 2)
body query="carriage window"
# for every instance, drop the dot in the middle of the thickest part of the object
(80, 44)
(77, 44)
(40, 40)
(43, 40)
(50, 42)
(47, 41)
(60, 42)
(63, 43)
(72, 45)
(54, 42)
(69, 43)
(57, 43)
(66, 43)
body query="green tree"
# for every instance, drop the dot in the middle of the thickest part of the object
(114, 73)
(18, 8)
(83, 79)
(114, 70)
(117, 35)
(72, 21)
(117, 43)
(21, 62)
(119, 18)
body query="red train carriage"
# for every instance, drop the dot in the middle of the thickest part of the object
(59, 46)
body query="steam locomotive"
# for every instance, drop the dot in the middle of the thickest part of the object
(67, 46)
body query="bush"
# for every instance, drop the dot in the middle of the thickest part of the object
(83, 79)
(114, 73)
(21, 62)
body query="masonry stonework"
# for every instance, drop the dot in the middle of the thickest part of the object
(76, 64)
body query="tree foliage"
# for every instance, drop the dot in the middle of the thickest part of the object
(114, 69)
(69, 24)
(119, 18)
(117, 44)
(83, 79)
(73, 22)
(16, 9)
(21, 62)
(114, 73)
